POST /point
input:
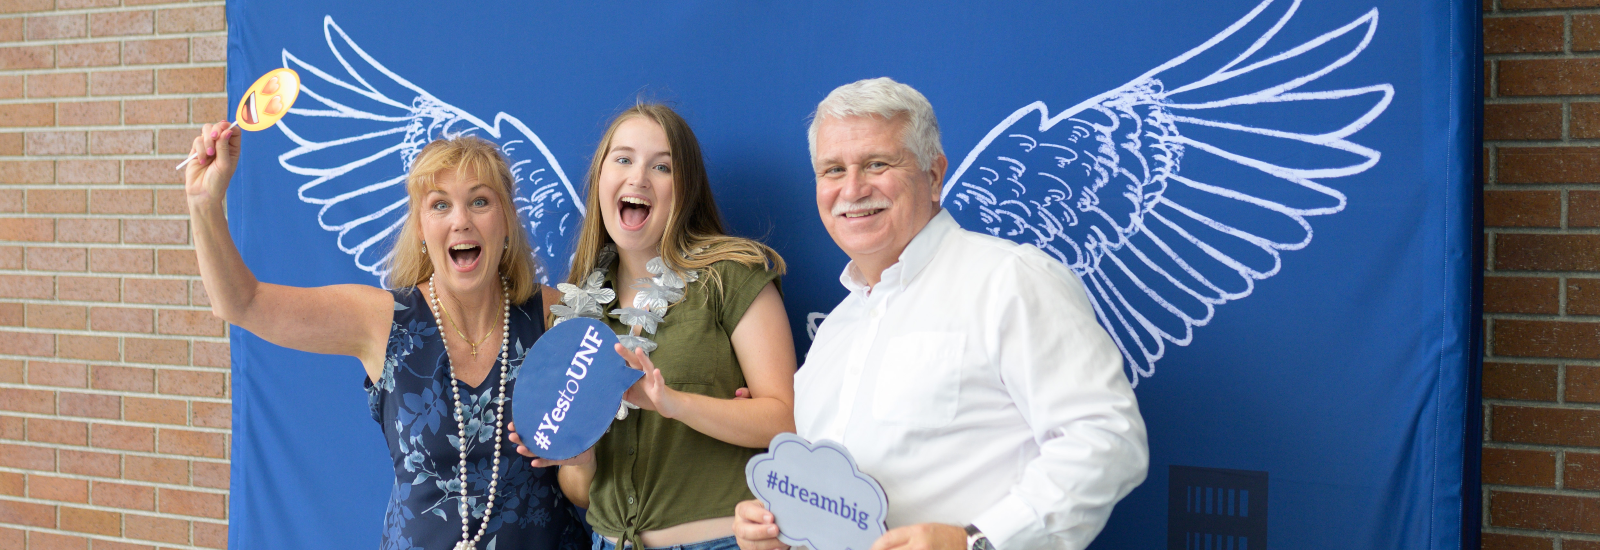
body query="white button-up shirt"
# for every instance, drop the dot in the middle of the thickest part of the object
(975, 385)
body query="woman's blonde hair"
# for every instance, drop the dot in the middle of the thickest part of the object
(694, 238)
(409, 265)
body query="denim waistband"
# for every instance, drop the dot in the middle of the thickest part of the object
(725, 543)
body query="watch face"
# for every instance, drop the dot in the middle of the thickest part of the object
(976, 540)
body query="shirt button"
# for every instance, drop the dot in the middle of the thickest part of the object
(630, 452)
(630, 500)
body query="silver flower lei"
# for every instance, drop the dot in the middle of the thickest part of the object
(656, 293)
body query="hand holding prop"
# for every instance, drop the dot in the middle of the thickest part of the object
(264, 103)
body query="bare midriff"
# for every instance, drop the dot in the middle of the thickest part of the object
(686, 533)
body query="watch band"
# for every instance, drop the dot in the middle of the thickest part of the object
(976, 540)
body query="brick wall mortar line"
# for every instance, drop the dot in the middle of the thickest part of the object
(1502, 274)
(102, 274)
(134, 542)
(115, 9)
(124, 363)
(1513, 14)
(1566, 32)
(1547, 143)
(1531, 273)
(1566, 120)
(93, 187)
(82, 303)
(1514, 100)
(166, 515)
(1507, 446)
(1531, 56)
(78, 216)
(63, 447)
(1561, 465)
(1498, 530)
(119, 393)
(118, 97)
(98, 187)
(106, 127)
(1549, 405)
(1541, 231)
(153, 66)
(1543, 491)
(75, 332)
(175, 157)
(116, 38)
(135, 482)
(1525, 532)
(1565, 224)
(1561, 282)
(1524, 317)
(1493, 84)
(1526, 56)
(1561, 383)
(1538, 361)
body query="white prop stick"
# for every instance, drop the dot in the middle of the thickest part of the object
(193, 155)
(264, 103)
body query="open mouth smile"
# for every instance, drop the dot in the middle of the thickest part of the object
(464, 256)
(863, 213)
(633, 212)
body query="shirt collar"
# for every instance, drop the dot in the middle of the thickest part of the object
(916, 256)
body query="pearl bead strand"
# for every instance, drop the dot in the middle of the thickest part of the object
(461, 423)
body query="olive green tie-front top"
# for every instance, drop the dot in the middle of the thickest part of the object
(653, 472)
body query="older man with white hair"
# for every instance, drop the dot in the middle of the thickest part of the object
(964, 372)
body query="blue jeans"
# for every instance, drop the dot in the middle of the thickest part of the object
(726, 543)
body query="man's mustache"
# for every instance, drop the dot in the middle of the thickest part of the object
(840, 208)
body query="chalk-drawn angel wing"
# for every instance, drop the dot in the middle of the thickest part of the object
(1175, 192)
(358, 128)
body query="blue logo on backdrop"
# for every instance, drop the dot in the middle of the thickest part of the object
(569, 389)
(818, 495)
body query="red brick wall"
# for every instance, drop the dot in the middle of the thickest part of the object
(114, 401)
(1541, 295)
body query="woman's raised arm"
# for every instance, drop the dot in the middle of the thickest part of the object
(341, 319)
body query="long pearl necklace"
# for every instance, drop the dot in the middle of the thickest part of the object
(461, 423)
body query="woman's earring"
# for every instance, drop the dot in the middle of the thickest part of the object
(424, 248)
(508, 243)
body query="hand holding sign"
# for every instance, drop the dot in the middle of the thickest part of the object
(569, 388)
(817, 495)
(264, 103)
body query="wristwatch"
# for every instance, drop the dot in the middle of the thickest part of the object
(976, 540)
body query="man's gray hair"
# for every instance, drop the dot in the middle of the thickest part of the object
(883, 97)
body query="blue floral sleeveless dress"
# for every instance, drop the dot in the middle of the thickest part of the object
(412, 402)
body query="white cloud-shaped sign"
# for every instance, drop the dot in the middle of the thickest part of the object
(817, 494)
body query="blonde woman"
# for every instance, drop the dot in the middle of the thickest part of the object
(439, 350)
(707, 304)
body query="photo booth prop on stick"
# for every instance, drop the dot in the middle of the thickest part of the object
(569, 389)
(264, 104)
(817, 495)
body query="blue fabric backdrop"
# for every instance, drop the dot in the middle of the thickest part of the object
(1271, 204)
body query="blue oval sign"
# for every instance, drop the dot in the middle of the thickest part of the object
(569, 388)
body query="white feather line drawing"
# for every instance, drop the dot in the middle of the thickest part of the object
(1105, 186)
(369, 131)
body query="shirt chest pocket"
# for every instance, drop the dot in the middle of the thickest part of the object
(919, 379)
(693, 352)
